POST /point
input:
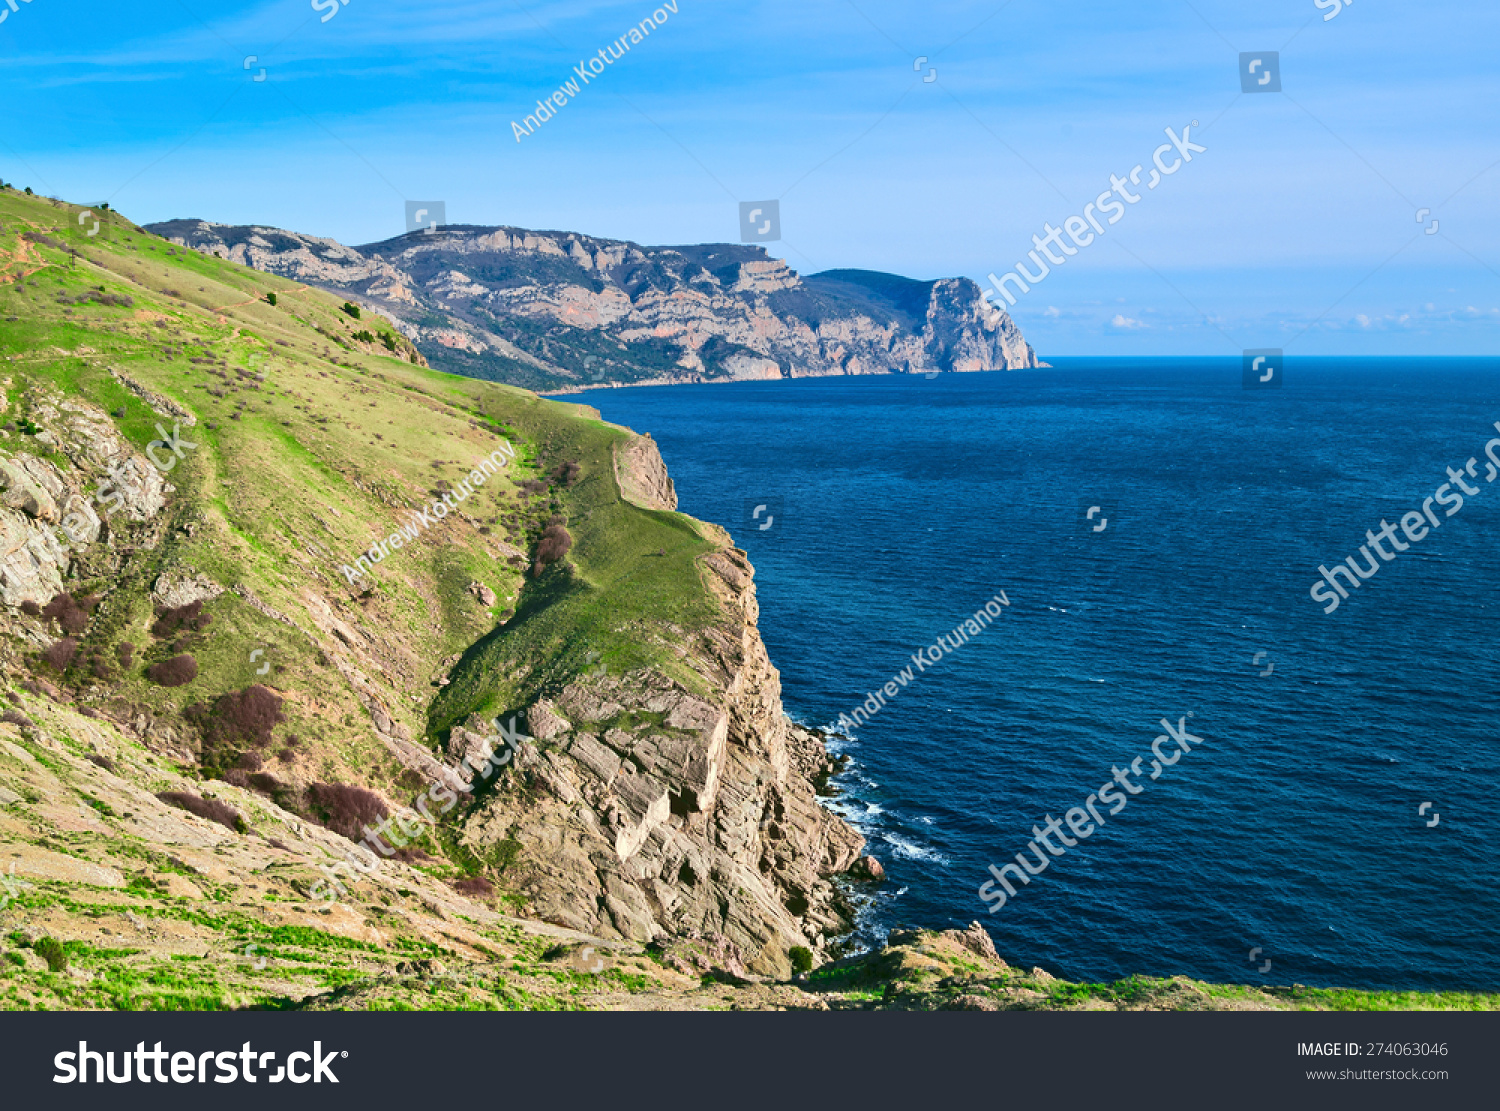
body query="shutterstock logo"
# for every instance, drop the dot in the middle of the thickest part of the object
(187, 1068)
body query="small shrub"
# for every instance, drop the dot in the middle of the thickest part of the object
(271, 299)
(346, 809)
(212, 809)
(15, 717)
(351, 309)
(568, 473)
(801, 957)
(475, 886)
(506, 853)
(190, 616)
(60, 655)
(554, 544)
(176, 672)
(236, 721)
(31, 609)
(51, 951)
(69, 612)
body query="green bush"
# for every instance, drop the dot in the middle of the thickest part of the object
(802, 958)
(271, 299)
(351, 309)
(51, 951)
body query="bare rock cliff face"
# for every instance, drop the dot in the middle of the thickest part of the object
(702, 823)
(644, 810)
(560, 310)
(643, 476)
(50, 524)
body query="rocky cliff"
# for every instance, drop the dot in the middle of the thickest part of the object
(648, 806)
(561, 311)
(257, 599)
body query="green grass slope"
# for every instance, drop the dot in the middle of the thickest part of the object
(317, 435)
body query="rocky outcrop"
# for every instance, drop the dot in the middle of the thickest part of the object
(175, 589)
(563, 311)
(50, 517)
(644, 810)
(642, 476)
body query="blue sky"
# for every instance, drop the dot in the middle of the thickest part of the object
(1296, 227)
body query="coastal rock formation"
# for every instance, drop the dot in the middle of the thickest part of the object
(644, 811)
(563, 311)
(225, 670)
(643, 476)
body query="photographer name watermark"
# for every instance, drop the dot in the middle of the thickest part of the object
(428, 516)
(875, 701)
(589, 69)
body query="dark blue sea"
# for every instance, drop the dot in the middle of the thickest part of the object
(899, 505)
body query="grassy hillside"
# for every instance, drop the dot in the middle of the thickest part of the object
(315, 441)
(316, 435)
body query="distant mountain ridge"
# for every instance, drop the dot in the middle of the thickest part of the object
(556, 311)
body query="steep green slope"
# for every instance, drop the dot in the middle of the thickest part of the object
(314, 440)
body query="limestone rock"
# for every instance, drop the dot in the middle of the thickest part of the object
(643, 476)
(868, 868)
(175, 589)
(725, 312)
(698, 820)
(976, 940)
(543, 722)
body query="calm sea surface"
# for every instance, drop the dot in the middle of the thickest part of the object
(898, 506)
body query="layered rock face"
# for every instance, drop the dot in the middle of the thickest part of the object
(559, 310)
(645, 811)
(52, 518)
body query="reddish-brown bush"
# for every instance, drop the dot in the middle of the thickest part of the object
(103, 761)
(568, 473)
(236, 722)
(554, 544)
(176, 672)
(347, 809)
(190, 616)
(60, 655)
(15, 717)
(31, 609)
(69, 612)
(212, 809)
(476, 886)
